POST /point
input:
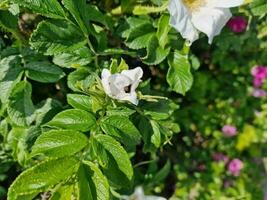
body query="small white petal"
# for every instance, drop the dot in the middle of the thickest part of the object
(211, 20)
(226, 3)
(181, 20)
(104, 80)
(132, 97)
(135, 75)
(105, 73)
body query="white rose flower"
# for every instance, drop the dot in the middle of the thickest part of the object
(122, 85)
(139, 195)
(208, 16)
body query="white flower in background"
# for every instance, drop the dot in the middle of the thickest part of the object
(139, 195)
(122, 85)
(207, 16)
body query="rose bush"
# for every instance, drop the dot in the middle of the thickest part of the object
(128, 100)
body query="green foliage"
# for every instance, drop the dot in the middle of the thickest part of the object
(59, 143)
(57, 36)
(20, 107)
(179, 76)
(41, 177)
(121, 129)
(44, 7)
(73, 119)
(65, 136)
(43, 72)
(112, 155)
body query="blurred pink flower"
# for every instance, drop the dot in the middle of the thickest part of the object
(265, 196)
(260, 74)
(220, 157)
(258, 93)
(235, 166)
(237, 24)
(257, 82)
(229, 130)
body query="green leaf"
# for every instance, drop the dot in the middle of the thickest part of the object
(20, 107)
(117, 153)
(57, 36)
(42, 176)
(163, 30)
(46, 110)
(155, 53)
(259, 7)
(92, 183)
(179, 76)
(79, 11)
(76, 59)
(156, 137)
(121, 128)
(65, 192)
(75, 77)
(127, 5)
(115, 68)
(8, 21)
(43, 72)
(122, 111)
(195, 62)
(146, 10)
(140, 36)
(59, 143)
(162, 173)
(94, 15)
(16, 139)
(151, 134)
(80, 101)
(74, 119)
(10, 75)
(48, 8)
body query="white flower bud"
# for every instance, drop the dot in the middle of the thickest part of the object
(122, 85)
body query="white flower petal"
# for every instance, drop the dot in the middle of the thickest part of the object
(211, 20)
(180, 20)
(104, 80)
(132, 97)
(105, 73)
(133, 74)
(227, 3)
(117, 83)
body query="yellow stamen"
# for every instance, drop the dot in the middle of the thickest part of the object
(193, 4)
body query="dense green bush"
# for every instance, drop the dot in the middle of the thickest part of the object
(121, 99)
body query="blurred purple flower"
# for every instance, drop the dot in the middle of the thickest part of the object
(229, 130)
(237, 24)
(220, 157)
(265, 196)
(258, 93)
(235, 166)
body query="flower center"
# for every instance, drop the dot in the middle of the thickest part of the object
(194, 4)
(127, 89)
